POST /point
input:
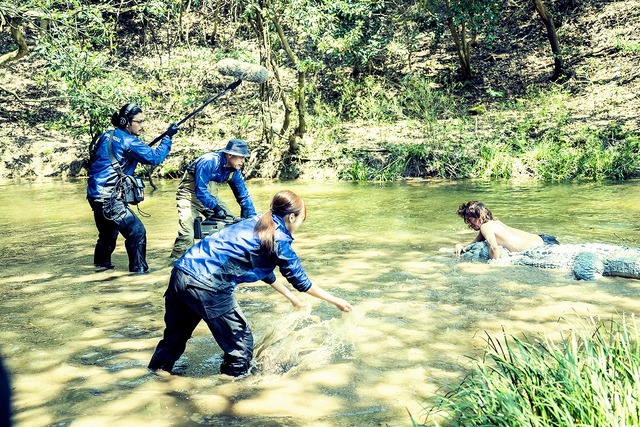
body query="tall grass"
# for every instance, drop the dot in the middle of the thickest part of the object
(590, 377)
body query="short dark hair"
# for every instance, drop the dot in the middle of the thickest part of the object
(475, 210)
(123, 117)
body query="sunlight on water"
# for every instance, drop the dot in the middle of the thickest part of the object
(77, 341)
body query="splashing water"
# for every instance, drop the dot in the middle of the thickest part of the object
(302, 341)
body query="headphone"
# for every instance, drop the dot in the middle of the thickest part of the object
(124, 118)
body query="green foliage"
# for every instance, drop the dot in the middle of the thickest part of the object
(358, 31)
(344, 48)
(68, 48)
(627, 45)
(369, 100)
(539, 141)
(587, 378)
(466, 20)
(592, 154)
(448, 160)
(357, 171)
(377, 100)
(423, 99)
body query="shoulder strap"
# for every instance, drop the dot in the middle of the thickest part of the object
(114, 162)
(191, 167)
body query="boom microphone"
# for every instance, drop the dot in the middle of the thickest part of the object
(229, 67)
(243, 70)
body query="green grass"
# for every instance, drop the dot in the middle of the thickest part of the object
(590, 377)
(627, 45)
(533, 137)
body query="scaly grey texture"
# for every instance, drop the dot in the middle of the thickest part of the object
(587, 261)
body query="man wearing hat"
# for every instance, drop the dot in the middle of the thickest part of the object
(195, 197)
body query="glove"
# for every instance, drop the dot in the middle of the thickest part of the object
(218, 213)
(172, 130)
(246, 213)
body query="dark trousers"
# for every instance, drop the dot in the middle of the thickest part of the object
(5, 397)
(185, 306)
(112, 218)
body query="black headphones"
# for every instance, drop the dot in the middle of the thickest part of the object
(124, 118)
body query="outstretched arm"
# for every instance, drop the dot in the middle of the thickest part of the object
(318, 292)
(286, 293)
(291, 269)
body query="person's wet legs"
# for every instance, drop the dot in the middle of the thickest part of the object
(180, 321)
(187, 213)
(233, 335)
(131, 227)
(107, 237)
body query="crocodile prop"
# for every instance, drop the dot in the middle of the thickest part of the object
(587, 261)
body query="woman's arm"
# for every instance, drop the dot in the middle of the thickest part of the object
(318, 292)
(291, 269)
(286, 293)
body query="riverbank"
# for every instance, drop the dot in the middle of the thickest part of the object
(508, 122)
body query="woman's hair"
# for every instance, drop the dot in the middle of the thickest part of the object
(475, 210)
(283, 203)
(123, 117)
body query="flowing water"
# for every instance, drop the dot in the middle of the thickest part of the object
(77, 341)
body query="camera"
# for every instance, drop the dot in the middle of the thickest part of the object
(208, 226)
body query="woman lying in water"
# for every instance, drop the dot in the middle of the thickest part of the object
(496, 233)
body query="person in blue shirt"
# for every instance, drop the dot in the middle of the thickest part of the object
(204, 278)
(111, 213)
(194, 195)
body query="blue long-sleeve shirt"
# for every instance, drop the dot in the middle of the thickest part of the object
(221, 261)
(128, 150)
(213, 167)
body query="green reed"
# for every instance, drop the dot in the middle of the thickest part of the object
(590, 377)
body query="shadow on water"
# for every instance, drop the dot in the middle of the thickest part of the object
(78, 341)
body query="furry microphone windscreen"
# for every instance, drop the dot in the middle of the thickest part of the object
(243, 70)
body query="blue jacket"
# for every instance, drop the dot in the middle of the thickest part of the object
(212, 167)
(223, 260)
(128, 151)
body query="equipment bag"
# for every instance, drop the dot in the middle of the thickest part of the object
(129, 188)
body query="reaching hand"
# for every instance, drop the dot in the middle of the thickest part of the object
(218, 213)
(299, 306)
(458, 249)
(342, 305)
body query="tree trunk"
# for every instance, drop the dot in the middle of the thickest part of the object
(263, 36)
(301, 104)
(23, 49)
(462, 44)
(300, 101)
(547, 19)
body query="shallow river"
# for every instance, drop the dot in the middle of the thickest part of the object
(77, 342)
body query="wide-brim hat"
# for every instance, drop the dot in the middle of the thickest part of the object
(237, 147)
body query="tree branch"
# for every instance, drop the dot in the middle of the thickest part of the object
(33, 101)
